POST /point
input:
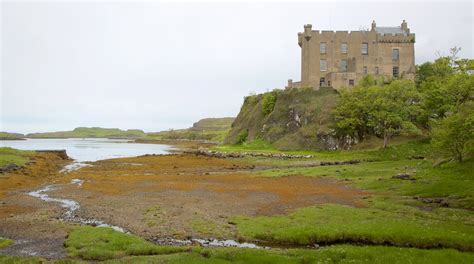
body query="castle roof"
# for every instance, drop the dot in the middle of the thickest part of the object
(389, 30)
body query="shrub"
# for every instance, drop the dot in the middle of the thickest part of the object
(242, 137)
(268, 102)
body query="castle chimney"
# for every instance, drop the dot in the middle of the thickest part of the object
(404, 25)
(307, 31)
(374, 25)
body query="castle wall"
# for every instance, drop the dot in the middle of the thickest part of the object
(379, 56)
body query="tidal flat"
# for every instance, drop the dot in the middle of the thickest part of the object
(178, 208)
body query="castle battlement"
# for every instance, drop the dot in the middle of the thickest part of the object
(341, 58)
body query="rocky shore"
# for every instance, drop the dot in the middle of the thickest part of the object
(219, 154)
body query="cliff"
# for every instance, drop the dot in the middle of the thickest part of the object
(288, 119)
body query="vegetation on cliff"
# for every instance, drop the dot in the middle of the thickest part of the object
(288, 119)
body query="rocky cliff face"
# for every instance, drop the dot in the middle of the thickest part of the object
(289, 119)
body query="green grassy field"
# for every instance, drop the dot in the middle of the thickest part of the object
(13, 156)
(108, 246)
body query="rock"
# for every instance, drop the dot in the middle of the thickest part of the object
(404, 176)
(9, 168)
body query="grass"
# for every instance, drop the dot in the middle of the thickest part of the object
(392, 215)
(13, 156)
(189, 134)
(101, 243)
(109, 246)
(209, 228)
(333, 254)
(5, 242)
(394, 152)
(451, 180)
(20, 260)
(331, 223)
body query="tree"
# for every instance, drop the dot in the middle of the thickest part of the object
(442, 96)
(393, 109)
(385, 111)
(454, 135)
(351, 114)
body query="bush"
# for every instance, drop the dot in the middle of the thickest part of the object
(242, 137)
(268, 102)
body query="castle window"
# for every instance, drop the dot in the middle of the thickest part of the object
(344, 47)
(365, 48)
(323, 65)
(322, 47)
(365, 69)
(395, 54)
(351, 82)
(343, 65)
(376, 70)
(395, 72)
(322, 81)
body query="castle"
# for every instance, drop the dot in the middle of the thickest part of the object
(340, 59)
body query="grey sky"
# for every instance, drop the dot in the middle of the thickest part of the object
(156, 66)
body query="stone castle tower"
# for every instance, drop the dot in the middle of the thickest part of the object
(340, 59)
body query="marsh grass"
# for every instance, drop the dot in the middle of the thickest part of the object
(398, 151)
(5, 242)
(14, 156)
(109, 246)
(100, 243)
(331, 224)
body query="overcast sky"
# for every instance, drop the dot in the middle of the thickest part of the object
(156, 66)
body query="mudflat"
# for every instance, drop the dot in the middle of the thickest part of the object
(155, 196)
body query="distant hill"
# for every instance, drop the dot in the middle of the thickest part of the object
(288, 119)
(210, 129)
(11, 136)
(91, 132)
(212, 124)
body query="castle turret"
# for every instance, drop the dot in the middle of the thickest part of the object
(404, 26)
(307, 31)
(374, 25)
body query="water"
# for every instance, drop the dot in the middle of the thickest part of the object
(71, 206)
(89, 149)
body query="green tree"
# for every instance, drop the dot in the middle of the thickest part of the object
(454, 135)
(386, 111)
(393, 109)
(351, 114)
(442, 96)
